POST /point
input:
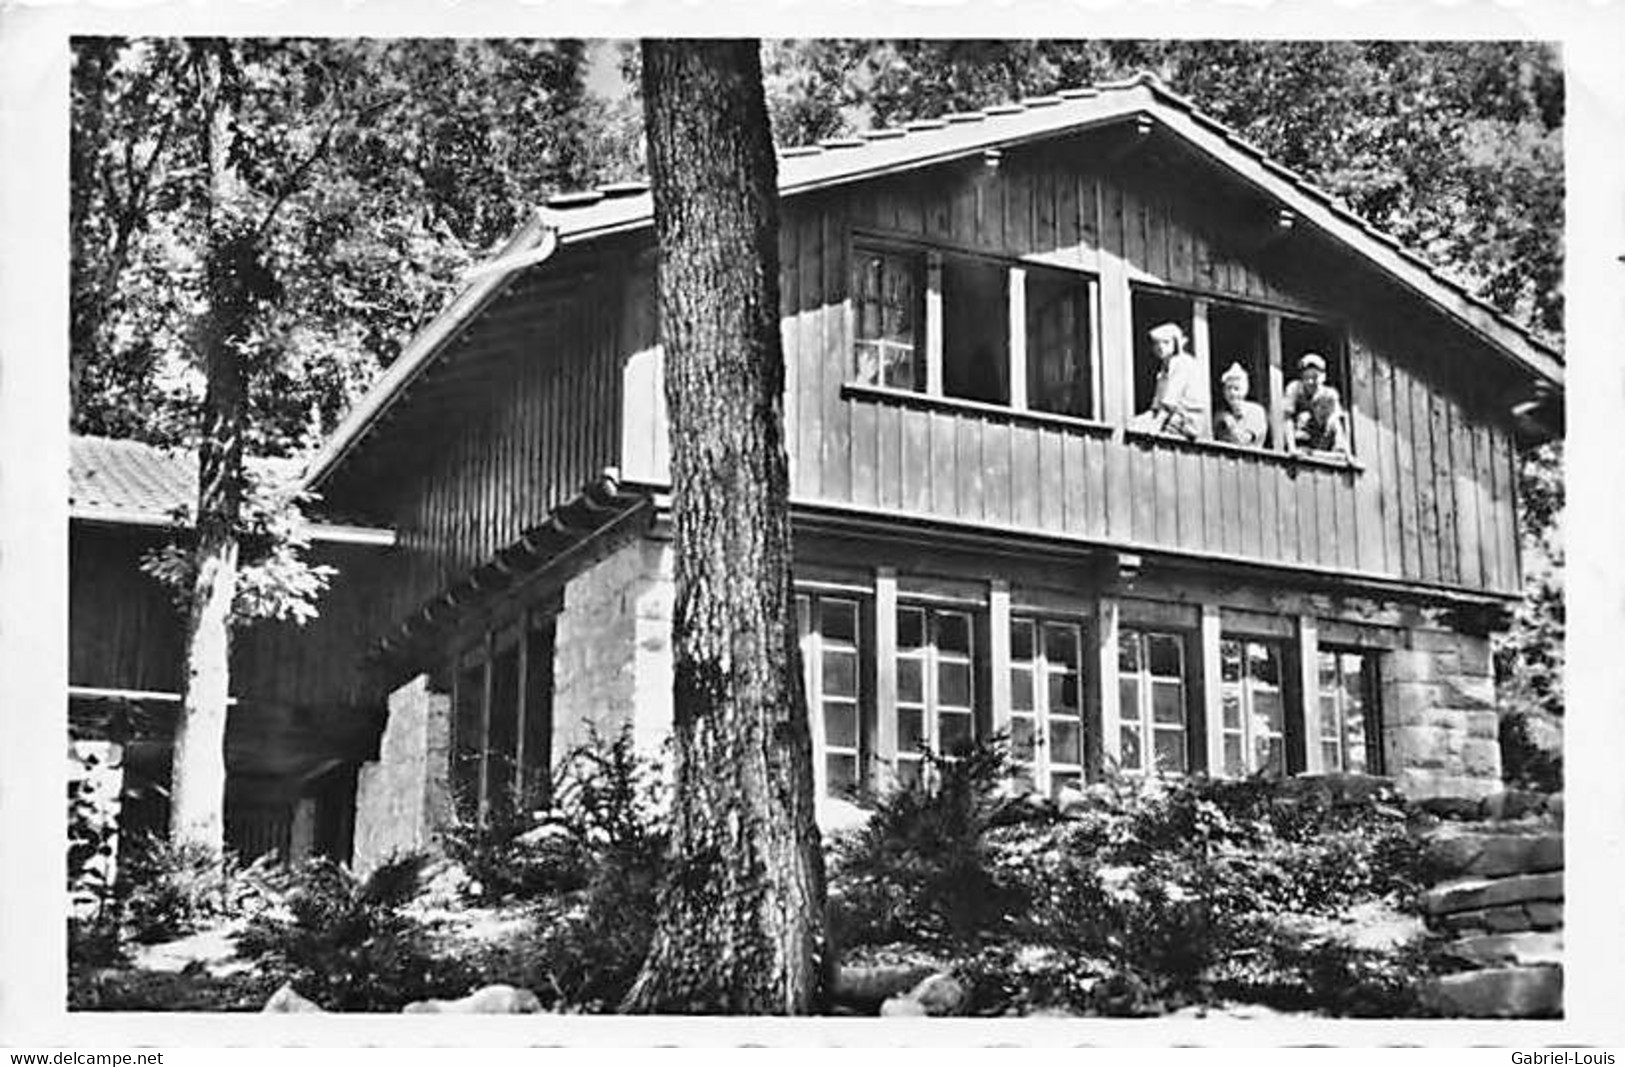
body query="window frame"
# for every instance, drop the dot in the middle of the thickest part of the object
(474, 678)
(1144, 722)
(930, 707)
(1371, 710)
(812, 639)
(1044, 767)
(930, 264)
(1246, 685)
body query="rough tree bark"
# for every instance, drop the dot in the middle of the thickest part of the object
(740, 926)
(235, 281)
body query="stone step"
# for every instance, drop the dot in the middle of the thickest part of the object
(1526, 949)
(1488, 854)
(1511, 918)
(1498, 993)
(1477, 894)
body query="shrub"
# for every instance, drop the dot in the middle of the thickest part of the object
(168, 889)
(345, 943)
(921, 869)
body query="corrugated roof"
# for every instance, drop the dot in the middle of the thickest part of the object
(577, 217)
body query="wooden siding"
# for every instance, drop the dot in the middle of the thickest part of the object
(543, 421)
(1430, 501)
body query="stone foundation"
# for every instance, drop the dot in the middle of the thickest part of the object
(1440, 727)
(404, 797)
(612, 660)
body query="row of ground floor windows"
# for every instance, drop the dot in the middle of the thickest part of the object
(936, 699)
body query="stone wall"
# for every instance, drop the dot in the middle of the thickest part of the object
(1440, 726)
(404, 796)
(612, 659)
(95, 785)
(1497, 914)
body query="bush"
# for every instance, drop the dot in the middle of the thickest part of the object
(345, 943)
(594, 932)
(168, 890)
(921, 869)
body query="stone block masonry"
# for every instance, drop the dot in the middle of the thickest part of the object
(612, 660)
(404, 796)
(1438, 700)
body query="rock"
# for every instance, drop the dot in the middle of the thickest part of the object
(1544, 914)
(901, 1007)
(874, 983)
(287, 1001)
(491, 1000)
(1467, 894)
(1497, 950)
(1499, 993)
(937, 994)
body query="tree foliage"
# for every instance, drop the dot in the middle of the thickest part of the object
(389, 166)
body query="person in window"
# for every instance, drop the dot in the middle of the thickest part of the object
(1300, 395)
(1325, 428)
(1241, 421)
(1179, 405)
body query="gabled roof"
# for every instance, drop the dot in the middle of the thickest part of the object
(578, 218)
(130, 483)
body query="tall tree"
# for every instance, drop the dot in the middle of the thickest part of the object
(740, 924)
(255, 226)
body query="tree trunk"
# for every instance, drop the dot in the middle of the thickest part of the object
(234, 275)
(740, 926)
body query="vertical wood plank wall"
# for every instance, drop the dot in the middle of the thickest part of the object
(1430, 504)
(547, 422)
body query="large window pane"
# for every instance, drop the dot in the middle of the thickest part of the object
(955, 732)
(1021, 738)
(1063, 693)
(887, 301)
(842, 773)
(1167, 659)
(910, 729)
(910, 628)
(975, 341)
(839, 621)
(1058, 342)
(1021, 641)
(1061, 646)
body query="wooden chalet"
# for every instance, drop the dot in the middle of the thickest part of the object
(984, 543)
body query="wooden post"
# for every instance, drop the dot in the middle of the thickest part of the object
(1212, 690)
(1107, 616)
(1202, 349)
(1097, 376)
(1017, 301)
(933, 323)
(487, 695)
(885, 776)
(998, 622)
(521, 720)
(1277, 387)
(1309, 692)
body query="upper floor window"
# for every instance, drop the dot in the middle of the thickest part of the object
(1239, 375)
(1046, 703)
(935, 686)
(974, 328)
(1060, 336)
(1316, 399)
(1152, 702)
(1253, 707)
(1349, 730)
(888, 304)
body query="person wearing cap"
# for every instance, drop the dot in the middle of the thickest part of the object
(1299, 397)
(1326, 429)
(1240, 421)
(1179, 405)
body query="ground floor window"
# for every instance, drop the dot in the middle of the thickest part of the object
(1350, 734)
(1254, 707)
(1046, 704)
(1153, 702)
(832, 660)
(502, 723)
(935, 686)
